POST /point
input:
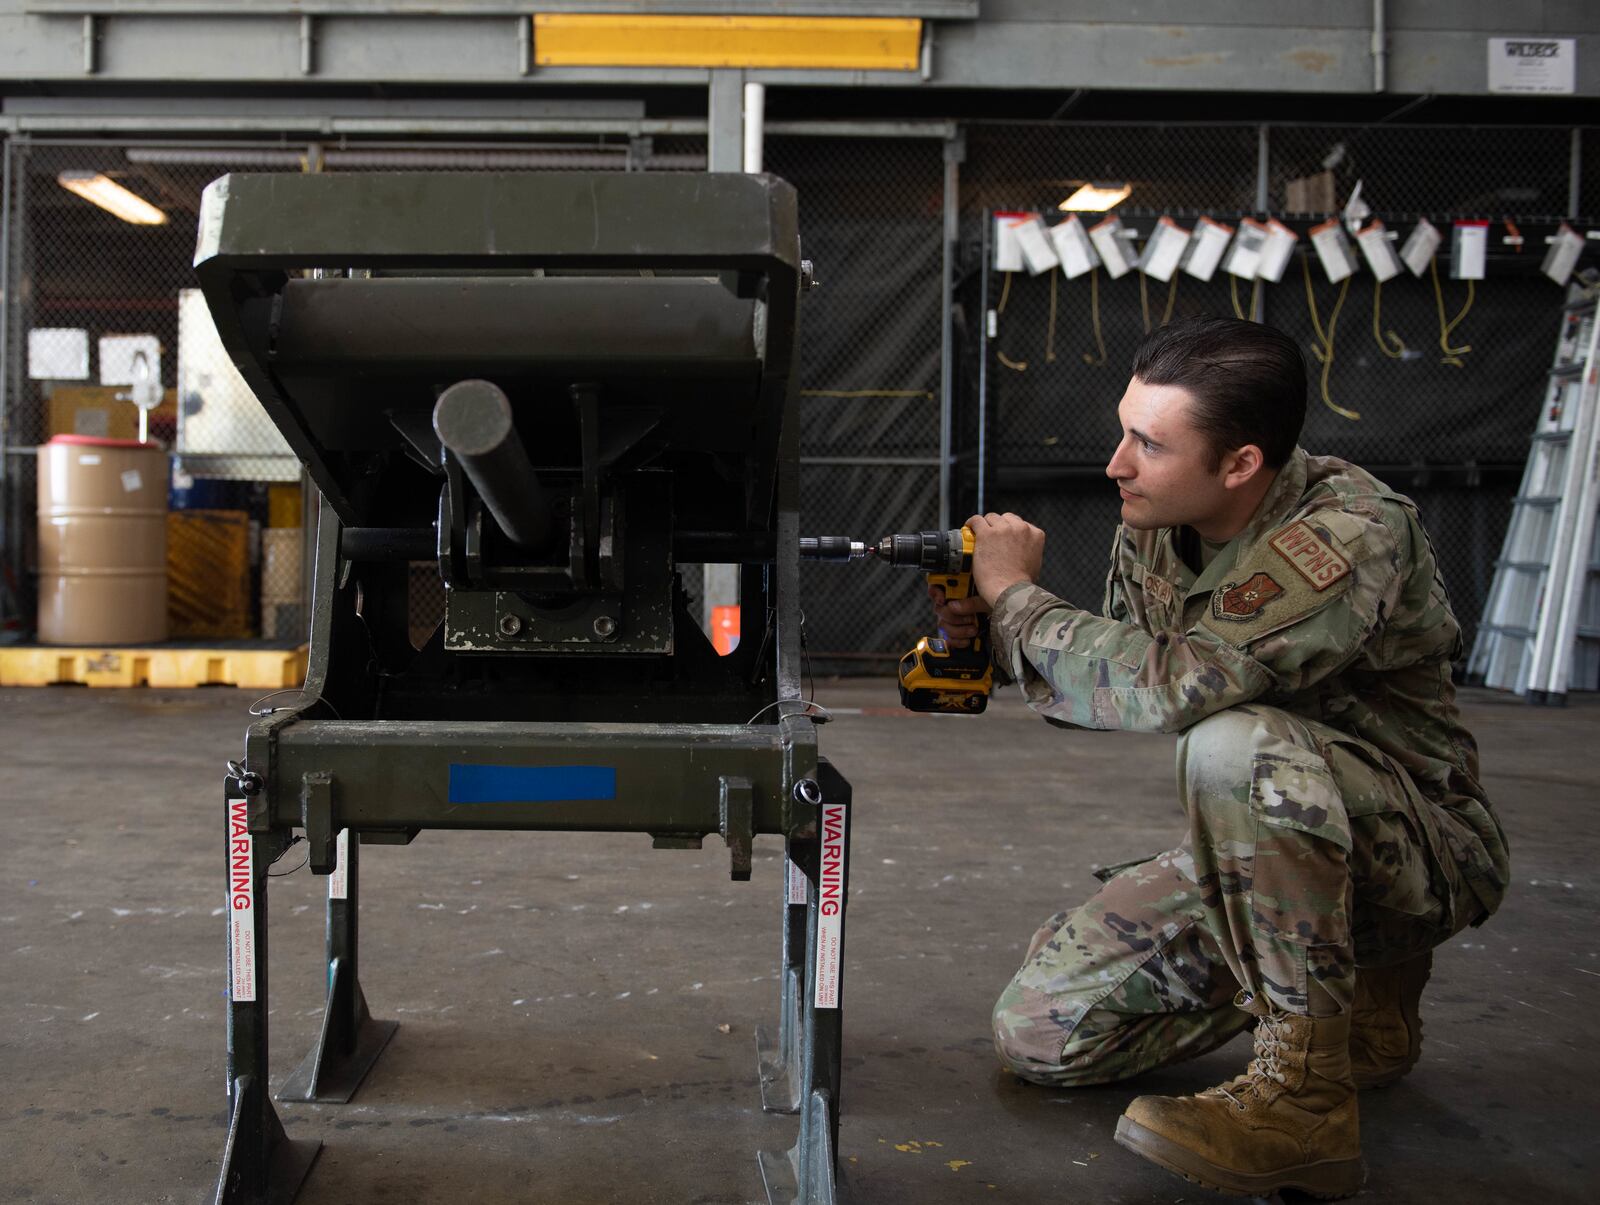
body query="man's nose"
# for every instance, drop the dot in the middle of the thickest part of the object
(1114, 467)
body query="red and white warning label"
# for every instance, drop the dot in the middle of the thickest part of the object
(797, 883)
(830, 907)
(339, 880)
(241, 904)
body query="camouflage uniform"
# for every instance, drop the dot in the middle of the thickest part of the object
(1335, 814)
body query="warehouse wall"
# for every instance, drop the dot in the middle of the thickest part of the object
(1228, 45)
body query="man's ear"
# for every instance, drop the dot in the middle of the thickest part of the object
(1240, 466)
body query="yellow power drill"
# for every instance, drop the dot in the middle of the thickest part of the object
(933, 676)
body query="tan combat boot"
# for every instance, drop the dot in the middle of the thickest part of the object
(1289, 1121)
(1386, 1023)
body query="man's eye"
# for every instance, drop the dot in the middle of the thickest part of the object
(1147, 445)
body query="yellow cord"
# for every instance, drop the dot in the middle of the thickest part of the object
(1144, 301)
(1233, 291)
(1172, 297)
(1050, 329)
(1005, 295)
(1094, 317)
(1325, 352)
(1452, 355)
(1385, 338)
(1311, 301)
(1255, 299)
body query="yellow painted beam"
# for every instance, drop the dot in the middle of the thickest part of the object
(826, 43)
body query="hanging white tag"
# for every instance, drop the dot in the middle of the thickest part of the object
(1007, 251)
(1420, 246)
(1378, 251)
(1073, 248)
(1565, 247)
(1244, 257)
(1205, 249)
(1276, 252)
(830, 907)
(1113, 248)
(1333, 249)
(1469, 250)
(241, 904)
(1163, 250)
(1356, 210)
(1037, 253)
(339, 880)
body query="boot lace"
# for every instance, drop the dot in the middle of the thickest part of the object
(1271, 1040)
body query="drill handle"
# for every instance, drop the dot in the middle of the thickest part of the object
(959, 585)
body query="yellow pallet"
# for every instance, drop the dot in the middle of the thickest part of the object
(267, 669)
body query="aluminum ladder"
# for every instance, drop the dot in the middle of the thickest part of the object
(1526, 640)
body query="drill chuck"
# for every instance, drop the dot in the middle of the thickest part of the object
(929, 551)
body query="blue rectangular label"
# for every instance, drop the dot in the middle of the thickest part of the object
(531, 784)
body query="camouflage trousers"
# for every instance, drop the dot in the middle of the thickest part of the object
(1309, 854)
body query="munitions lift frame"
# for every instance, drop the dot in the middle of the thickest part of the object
(376, 768)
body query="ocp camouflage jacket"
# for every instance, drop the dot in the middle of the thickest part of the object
(1328, 605)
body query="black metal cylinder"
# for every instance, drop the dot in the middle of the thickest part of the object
(829, 548)
(473, 419)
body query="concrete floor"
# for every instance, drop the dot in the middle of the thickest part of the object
(577, 1011)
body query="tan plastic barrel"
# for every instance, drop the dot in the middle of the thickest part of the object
(102, 541)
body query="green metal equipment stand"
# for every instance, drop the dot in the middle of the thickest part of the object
(559, 389)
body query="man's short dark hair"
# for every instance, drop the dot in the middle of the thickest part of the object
(1248, 381)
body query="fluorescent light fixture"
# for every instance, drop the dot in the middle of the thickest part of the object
(1097, 198)
(112, 197)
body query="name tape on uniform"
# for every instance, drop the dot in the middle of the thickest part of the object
(830, 907)
(1312, 557)
(1158, 588)
(241, 904)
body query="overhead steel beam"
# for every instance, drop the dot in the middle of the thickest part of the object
(948, 10)
(1198, 45)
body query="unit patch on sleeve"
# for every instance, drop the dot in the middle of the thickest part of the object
(1243, 600)
(1312, 557)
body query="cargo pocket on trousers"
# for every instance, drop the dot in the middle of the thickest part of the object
(1405, 881)
(1300, 875)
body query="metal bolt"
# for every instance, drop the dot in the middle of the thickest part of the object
(808, 275)
(604, 626)
(807, 791)
(510, 625)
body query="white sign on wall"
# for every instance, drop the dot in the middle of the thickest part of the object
(1533, 64)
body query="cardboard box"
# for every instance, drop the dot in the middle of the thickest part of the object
(95, 410)
(208, 575)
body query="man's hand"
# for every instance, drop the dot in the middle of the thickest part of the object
(1006, 550)
(958, 618)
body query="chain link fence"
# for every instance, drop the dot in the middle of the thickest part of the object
(871, 220)
(1035, 405)
(1443, 417)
